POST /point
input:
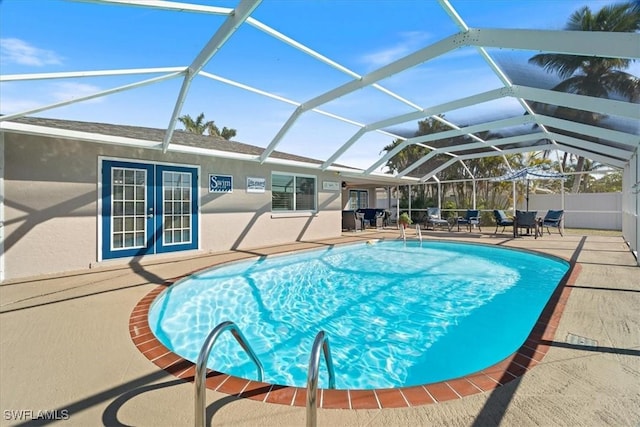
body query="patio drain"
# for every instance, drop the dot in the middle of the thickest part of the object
(578, 340)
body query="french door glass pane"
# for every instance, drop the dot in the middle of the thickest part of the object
(128, 208)
(176, 185)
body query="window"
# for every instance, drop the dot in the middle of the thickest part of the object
(128, 207)
(176, 227)
(293, 192)
(358, 199)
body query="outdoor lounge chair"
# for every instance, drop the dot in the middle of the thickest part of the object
(471, 218)
(434, 219)
(501, 220)
(528, 220)
(553, 219)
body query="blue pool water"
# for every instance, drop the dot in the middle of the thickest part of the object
(395, 314)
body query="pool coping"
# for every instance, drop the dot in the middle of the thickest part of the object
(514, 366)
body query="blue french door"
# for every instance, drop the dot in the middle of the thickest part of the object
(148, 208)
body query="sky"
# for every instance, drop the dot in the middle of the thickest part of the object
(48, 36)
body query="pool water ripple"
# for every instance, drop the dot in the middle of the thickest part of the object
(395, 314)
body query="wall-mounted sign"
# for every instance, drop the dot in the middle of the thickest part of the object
(256, 185)
(220, 183)
(330, 185)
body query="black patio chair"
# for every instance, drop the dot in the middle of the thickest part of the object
(501, 220)
(471, 218)
(528, 220)
(553, 219)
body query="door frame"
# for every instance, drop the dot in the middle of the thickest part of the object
(157, 192)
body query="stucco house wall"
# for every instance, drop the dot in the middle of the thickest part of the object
(52, 216)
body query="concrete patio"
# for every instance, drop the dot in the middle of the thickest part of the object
(66, 346)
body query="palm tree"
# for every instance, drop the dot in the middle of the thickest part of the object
(594, 76)
(194, 126)
(199, 126)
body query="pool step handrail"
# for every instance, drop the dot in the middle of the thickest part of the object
(321, 343)
(419, 232)
(201, 365)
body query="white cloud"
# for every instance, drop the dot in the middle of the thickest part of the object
(10, 105)
(18, 51)
(64, 91)
(408, 43)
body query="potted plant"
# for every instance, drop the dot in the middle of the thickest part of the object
(404, 219)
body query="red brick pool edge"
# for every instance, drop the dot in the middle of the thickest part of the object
(516, 365)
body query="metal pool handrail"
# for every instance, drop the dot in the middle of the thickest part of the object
(321, 342)
(201, 365)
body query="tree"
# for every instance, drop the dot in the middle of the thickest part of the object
(199, 126)
(593, 76)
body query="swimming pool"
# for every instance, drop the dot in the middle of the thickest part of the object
(396, 314)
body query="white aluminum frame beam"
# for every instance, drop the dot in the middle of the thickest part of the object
(603, 44)
(628, 139)
(585, 43)
(601, 159)
(579, 102)
(225, 31)
(81, 74)
(92, 96)
(513, 121)
(431, 111)
(492, 64)
(418, 57)
(473, 146)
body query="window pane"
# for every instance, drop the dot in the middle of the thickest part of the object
(140, 177)
(129, 208)
(305, 193)
(117, 192)
(282, 187)
(128, 192)
(118, 208)
(129, 176)
(282, 201)
(117, 241)
(117, 176)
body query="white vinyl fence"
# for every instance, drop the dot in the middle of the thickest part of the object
(601, 211)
